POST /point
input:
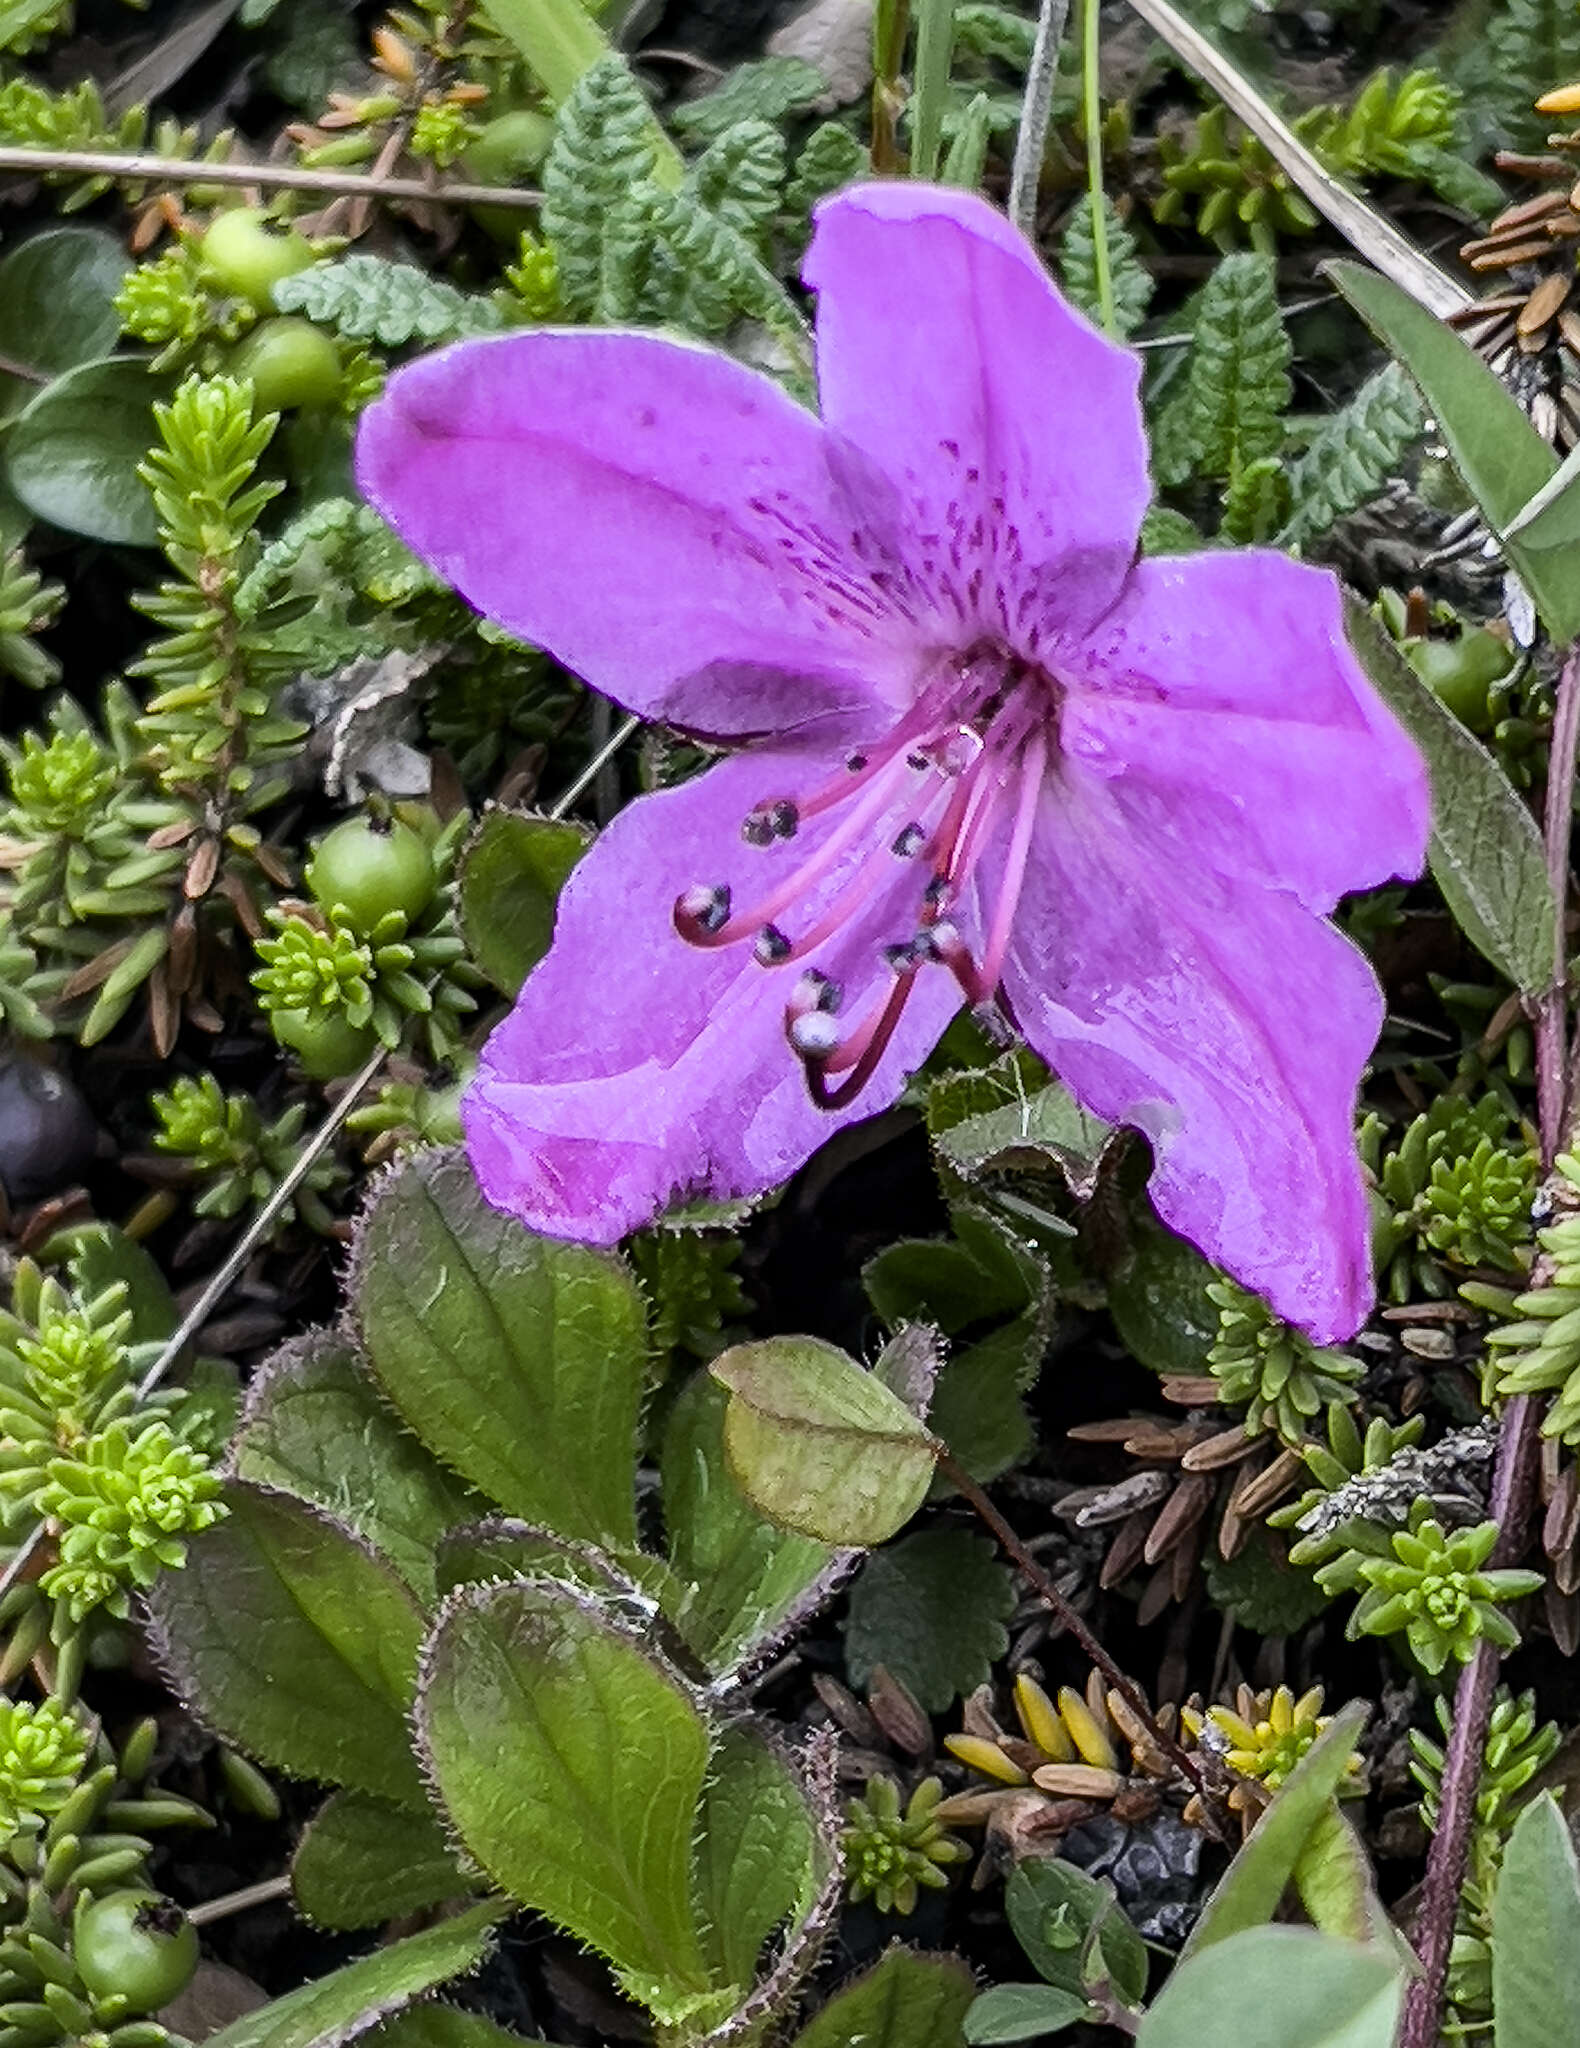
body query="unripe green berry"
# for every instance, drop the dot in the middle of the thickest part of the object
(371, 866)
(247, 256)
(136, 1945)
(289, 363)
(326, 1046)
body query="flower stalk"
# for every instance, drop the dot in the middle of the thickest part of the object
(1514, 1473)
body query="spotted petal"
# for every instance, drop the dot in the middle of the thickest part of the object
(1223, 1020)
(637, 1070)
(1224, 683)
(1008, 427)
(664, 521)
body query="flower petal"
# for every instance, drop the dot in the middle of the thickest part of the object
(664, 521)
(1009, 426)
(1227, 1023)
(636, 1069)
(1224, 682)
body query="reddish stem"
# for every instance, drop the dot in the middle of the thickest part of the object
(1514, 1474)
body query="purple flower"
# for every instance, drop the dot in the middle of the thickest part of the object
(983, 753)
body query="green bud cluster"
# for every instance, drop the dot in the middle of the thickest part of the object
(42, 1751)
(1430, 1586)
(1537, 1350)
(1276, 1374)
(238, 1158)
(441, 131)
(121, 1505)
(27, 606)
(1457, 1188)
(891, 1853)
(534, 277)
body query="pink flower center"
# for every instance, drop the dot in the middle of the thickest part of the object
(972, 750)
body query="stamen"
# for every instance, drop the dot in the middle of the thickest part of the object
(770, 946)
(910, 842)
(858, 1057)
(1032, 769)
(747, 923)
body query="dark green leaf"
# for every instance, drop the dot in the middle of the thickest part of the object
(977, 1407)
(755, 1850)
(1536, 1932)
(1053, 1908)
(1045, 1128)
(932, 1610)
(348, 2004)
(1280, 1987)
(906, 2001)
(518, 1360)
(434, 2025)
(362, 1861)
(1502, 458)
(570, 1764)
(512, 872)
(316, 1426)
(739, 1578)
(1158, 1300)
(72, 454)
(1022, 2012)
(296, 1642)
(1486, 851)
(57, 292)
(820, 1444)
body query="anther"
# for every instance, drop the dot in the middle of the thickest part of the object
(902, 958)
(768, 822)
(910, 842)
(855, 763)
(937, 893)
(815, 990)
(813, 1034)
(770, 946)
(702, 911)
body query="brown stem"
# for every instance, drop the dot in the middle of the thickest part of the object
(1514, 1474)
(1034, 1575)
(177, 170)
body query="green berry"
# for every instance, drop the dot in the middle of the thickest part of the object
(136, 1945)
(371, 866)
(1461, 672)
(245, 255)
(289, 363)
(325, 1044)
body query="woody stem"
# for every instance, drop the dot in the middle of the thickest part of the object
(1034, 1575)
(1514, 1474)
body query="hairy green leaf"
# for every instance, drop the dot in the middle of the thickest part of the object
(740, 1579)
(1352, 454)
(296, 1642)
(316, 1426)
(819, 1444)
(518, 1360)
(570, 1765)
(361, 1862)
(370, 298)
(435, 2025)
(906, 2001)
(756, 1847)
